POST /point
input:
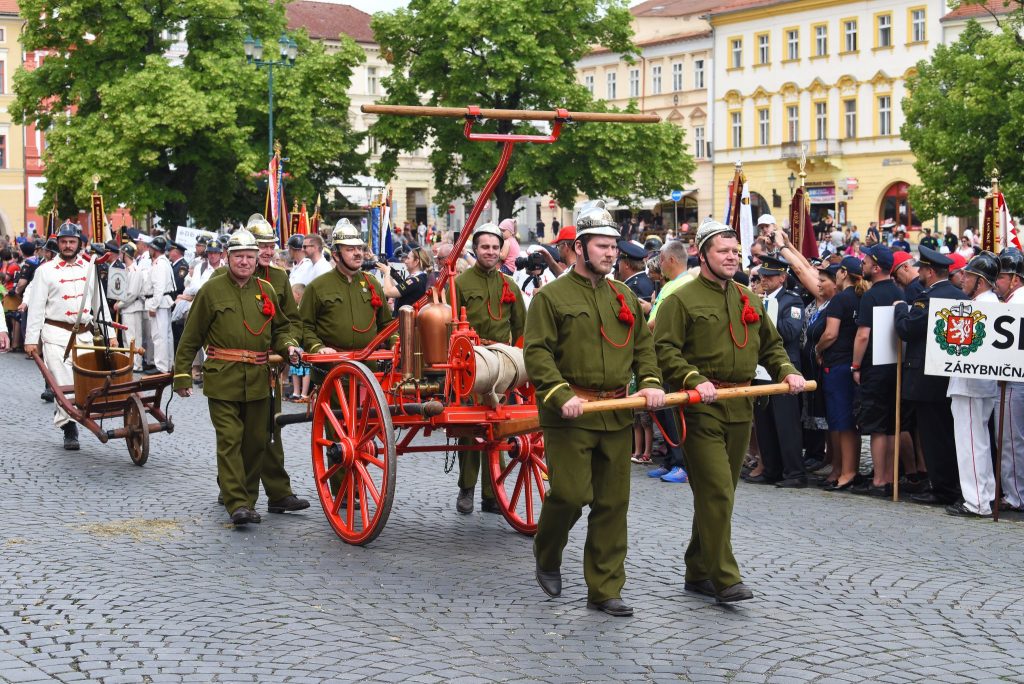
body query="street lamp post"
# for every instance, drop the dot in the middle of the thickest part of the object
(254, 55)
(792, 183)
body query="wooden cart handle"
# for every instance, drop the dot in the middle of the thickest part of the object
(136, 350)
(510, 428)
(677, 398)
(507, 114)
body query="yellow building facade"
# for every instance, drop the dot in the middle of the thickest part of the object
(822, 79)
(12, 144)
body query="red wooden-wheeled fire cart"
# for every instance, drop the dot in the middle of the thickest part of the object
(438, 375)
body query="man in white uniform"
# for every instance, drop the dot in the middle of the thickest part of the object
(313, 265)
(1009, 281)
(64, 299)
(973, 402)
(131, 307)
(159, 305)
(144, 263)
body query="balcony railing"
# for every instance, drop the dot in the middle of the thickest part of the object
(815, 148)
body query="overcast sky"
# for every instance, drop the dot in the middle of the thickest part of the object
(372, 6)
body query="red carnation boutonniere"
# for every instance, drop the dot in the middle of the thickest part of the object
(375, 301)
(507, 296)
(749, 314)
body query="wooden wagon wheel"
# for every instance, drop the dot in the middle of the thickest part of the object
(518, 474)
(354, 455)
(136, 425)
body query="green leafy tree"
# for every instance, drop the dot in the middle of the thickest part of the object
(965, 118)
(182, 136)
(519, 55)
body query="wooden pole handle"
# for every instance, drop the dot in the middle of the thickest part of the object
(687, 397)
(510, 428)
(507, 114)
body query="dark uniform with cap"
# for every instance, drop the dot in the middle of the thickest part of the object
(777, 418)
(707, 333)
(927, 393)
(640, 283)
(586, 341)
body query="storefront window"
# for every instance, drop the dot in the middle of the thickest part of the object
(896, 206)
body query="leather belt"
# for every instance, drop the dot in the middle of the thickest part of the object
(256, 358)
(722, 384)
(70, 327)
(596, 395)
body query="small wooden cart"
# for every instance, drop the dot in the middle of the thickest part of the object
(104, 388)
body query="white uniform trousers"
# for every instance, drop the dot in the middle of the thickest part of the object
(974, 450)
(146, 340)
(54, 341)
(133, 321)
(1013, 444)
(163, 352)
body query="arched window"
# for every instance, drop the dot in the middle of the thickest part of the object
(896, 206)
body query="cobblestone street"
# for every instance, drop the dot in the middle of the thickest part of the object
(116, 573)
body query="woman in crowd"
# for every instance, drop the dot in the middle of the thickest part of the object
(854, 249)
(834, 352)
(409, 289)
(820, 279)
(966, 249)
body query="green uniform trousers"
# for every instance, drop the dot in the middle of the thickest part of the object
(587, 467)
(276, 482)
(469, 470)
(714, 455)
(241, 439)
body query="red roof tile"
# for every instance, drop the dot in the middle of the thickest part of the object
(979, 11)
(8, 7)
(327, 21)
(674, 8)
(661, 40)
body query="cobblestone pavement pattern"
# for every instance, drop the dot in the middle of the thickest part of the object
(116, 573)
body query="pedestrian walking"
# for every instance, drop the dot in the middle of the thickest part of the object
(588, 455)
(712, 334)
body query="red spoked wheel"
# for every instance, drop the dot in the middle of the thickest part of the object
(519, 477)
(354, 457)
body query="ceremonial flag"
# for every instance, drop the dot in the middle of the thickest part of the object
(386, 243)
(314, 226)
(802, 232)
(1008, 235)
(98, 220)
(276, 208)
(375, 215)
(303, 226)
(52, 221)
(988, 225)
(740, 218)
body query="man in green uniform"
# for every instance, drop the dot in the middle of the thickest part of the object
(273, 475)
(344, 309)
(235, 317)
(495, 310)
(711, 333)
(585, 338)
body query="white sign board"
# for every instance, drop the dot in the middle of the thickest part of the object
(884, 341)
(969, 339)
(117, 284)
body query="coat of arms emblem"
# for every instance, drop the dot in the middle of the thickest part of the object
(959, 329)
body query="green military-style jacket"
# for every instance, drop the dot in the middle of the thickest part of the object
(574, 337)
(694, 343)
(278, 278)
(480, 293)
(336, 312)
(227, 316)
